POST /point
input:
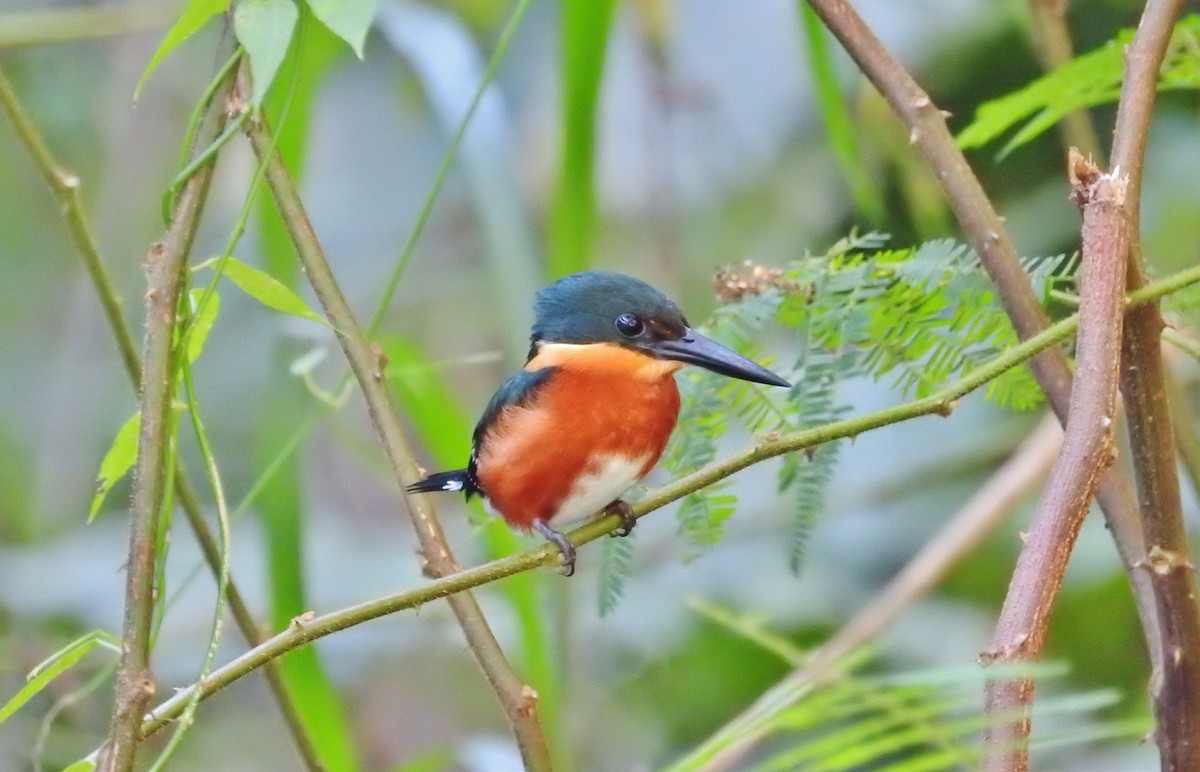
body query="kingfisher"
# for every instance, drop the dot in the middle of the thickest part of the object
(591, 412)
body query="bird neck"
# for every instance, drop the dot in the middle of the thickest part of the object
(601, 359)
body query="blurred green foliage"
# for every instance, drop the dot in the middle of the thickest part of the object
(663, 139)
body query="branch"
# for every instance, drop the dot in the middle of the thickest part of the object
(1176, 687)
(518, 700)
(1183, 417)
(165, 268)
(978, 518)
(65, 187)
(1088, 450)
(1052, 44)
(985, 229)
(302, 632)
(81, 22)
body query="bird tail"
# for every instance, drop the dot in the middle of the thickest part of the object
(456, 480)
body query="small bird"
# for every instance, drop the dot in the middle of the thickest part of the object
(591, 412)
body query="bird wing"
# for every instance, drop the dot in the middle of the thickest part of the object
(517, 391)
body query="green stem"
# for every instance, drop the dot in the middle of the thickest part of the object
(942, 403)
(81, 22)
(65, 186)
(519, 701)
(166, 265)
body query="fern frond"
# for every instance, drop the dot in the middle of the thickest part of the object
(926, 720)
(616, 564)
(702, 519)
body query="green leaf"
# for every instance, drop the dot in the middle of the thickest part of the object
(265, 289)
(585, 26)
(348, 19)
(839, 128)
(1088, 80)
(55, 665)
(116, 462)
(195, 16)
(201, 323)
(83, 765)
(264, 28)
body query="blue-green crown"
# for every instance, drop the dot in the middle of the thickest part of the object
(584, 308)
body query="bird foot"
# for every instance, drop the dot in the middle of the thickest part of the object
(625, 512)
(560, 540)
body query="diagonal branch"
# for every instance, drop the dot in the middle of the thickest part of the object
(1176, 686)
(1088, 450)
(941, 403)
(985, 229)
(987, 508)
(366, 360)
(65, 187)
(165, 268)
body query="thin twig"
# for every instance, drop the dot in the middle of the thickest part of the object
(302, 632)
(1183, 417)
(81, 22)
(1052, 44)
(518, 700)
(985, 229)
(1176, 686)
(165, 268)
(1088, 451)
(64, 184)
(65, 187)
(979, 517)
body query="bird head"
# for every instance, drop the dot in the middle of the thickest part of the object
(606, 307)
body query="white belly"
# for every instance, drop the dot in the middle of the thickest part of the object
(614, 475)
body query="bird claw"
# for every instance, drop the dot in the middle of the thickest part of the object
(560, 540)
(625, 512)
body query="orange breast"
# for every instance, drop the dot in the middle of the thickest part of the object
(602, 406)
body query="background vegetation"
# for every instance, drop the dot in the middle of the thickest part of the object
(666, 140)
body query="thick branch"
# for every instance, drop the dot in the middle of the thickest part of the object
(65, 187)
(518, 700)
(985, 229)
(165, 267)
(1176, 689)
(940, 403)
(1088, 450)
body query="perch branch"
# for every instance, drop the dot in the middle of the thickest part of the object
(1088, 450)
(165, 268)
(1175, 689)
(940, 403)
(518, 700)
(65, 187)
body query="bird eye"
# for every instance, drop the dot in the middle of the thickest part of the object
(629, 325)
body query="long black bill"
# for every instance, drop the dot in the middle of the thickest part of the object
(695, 349)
